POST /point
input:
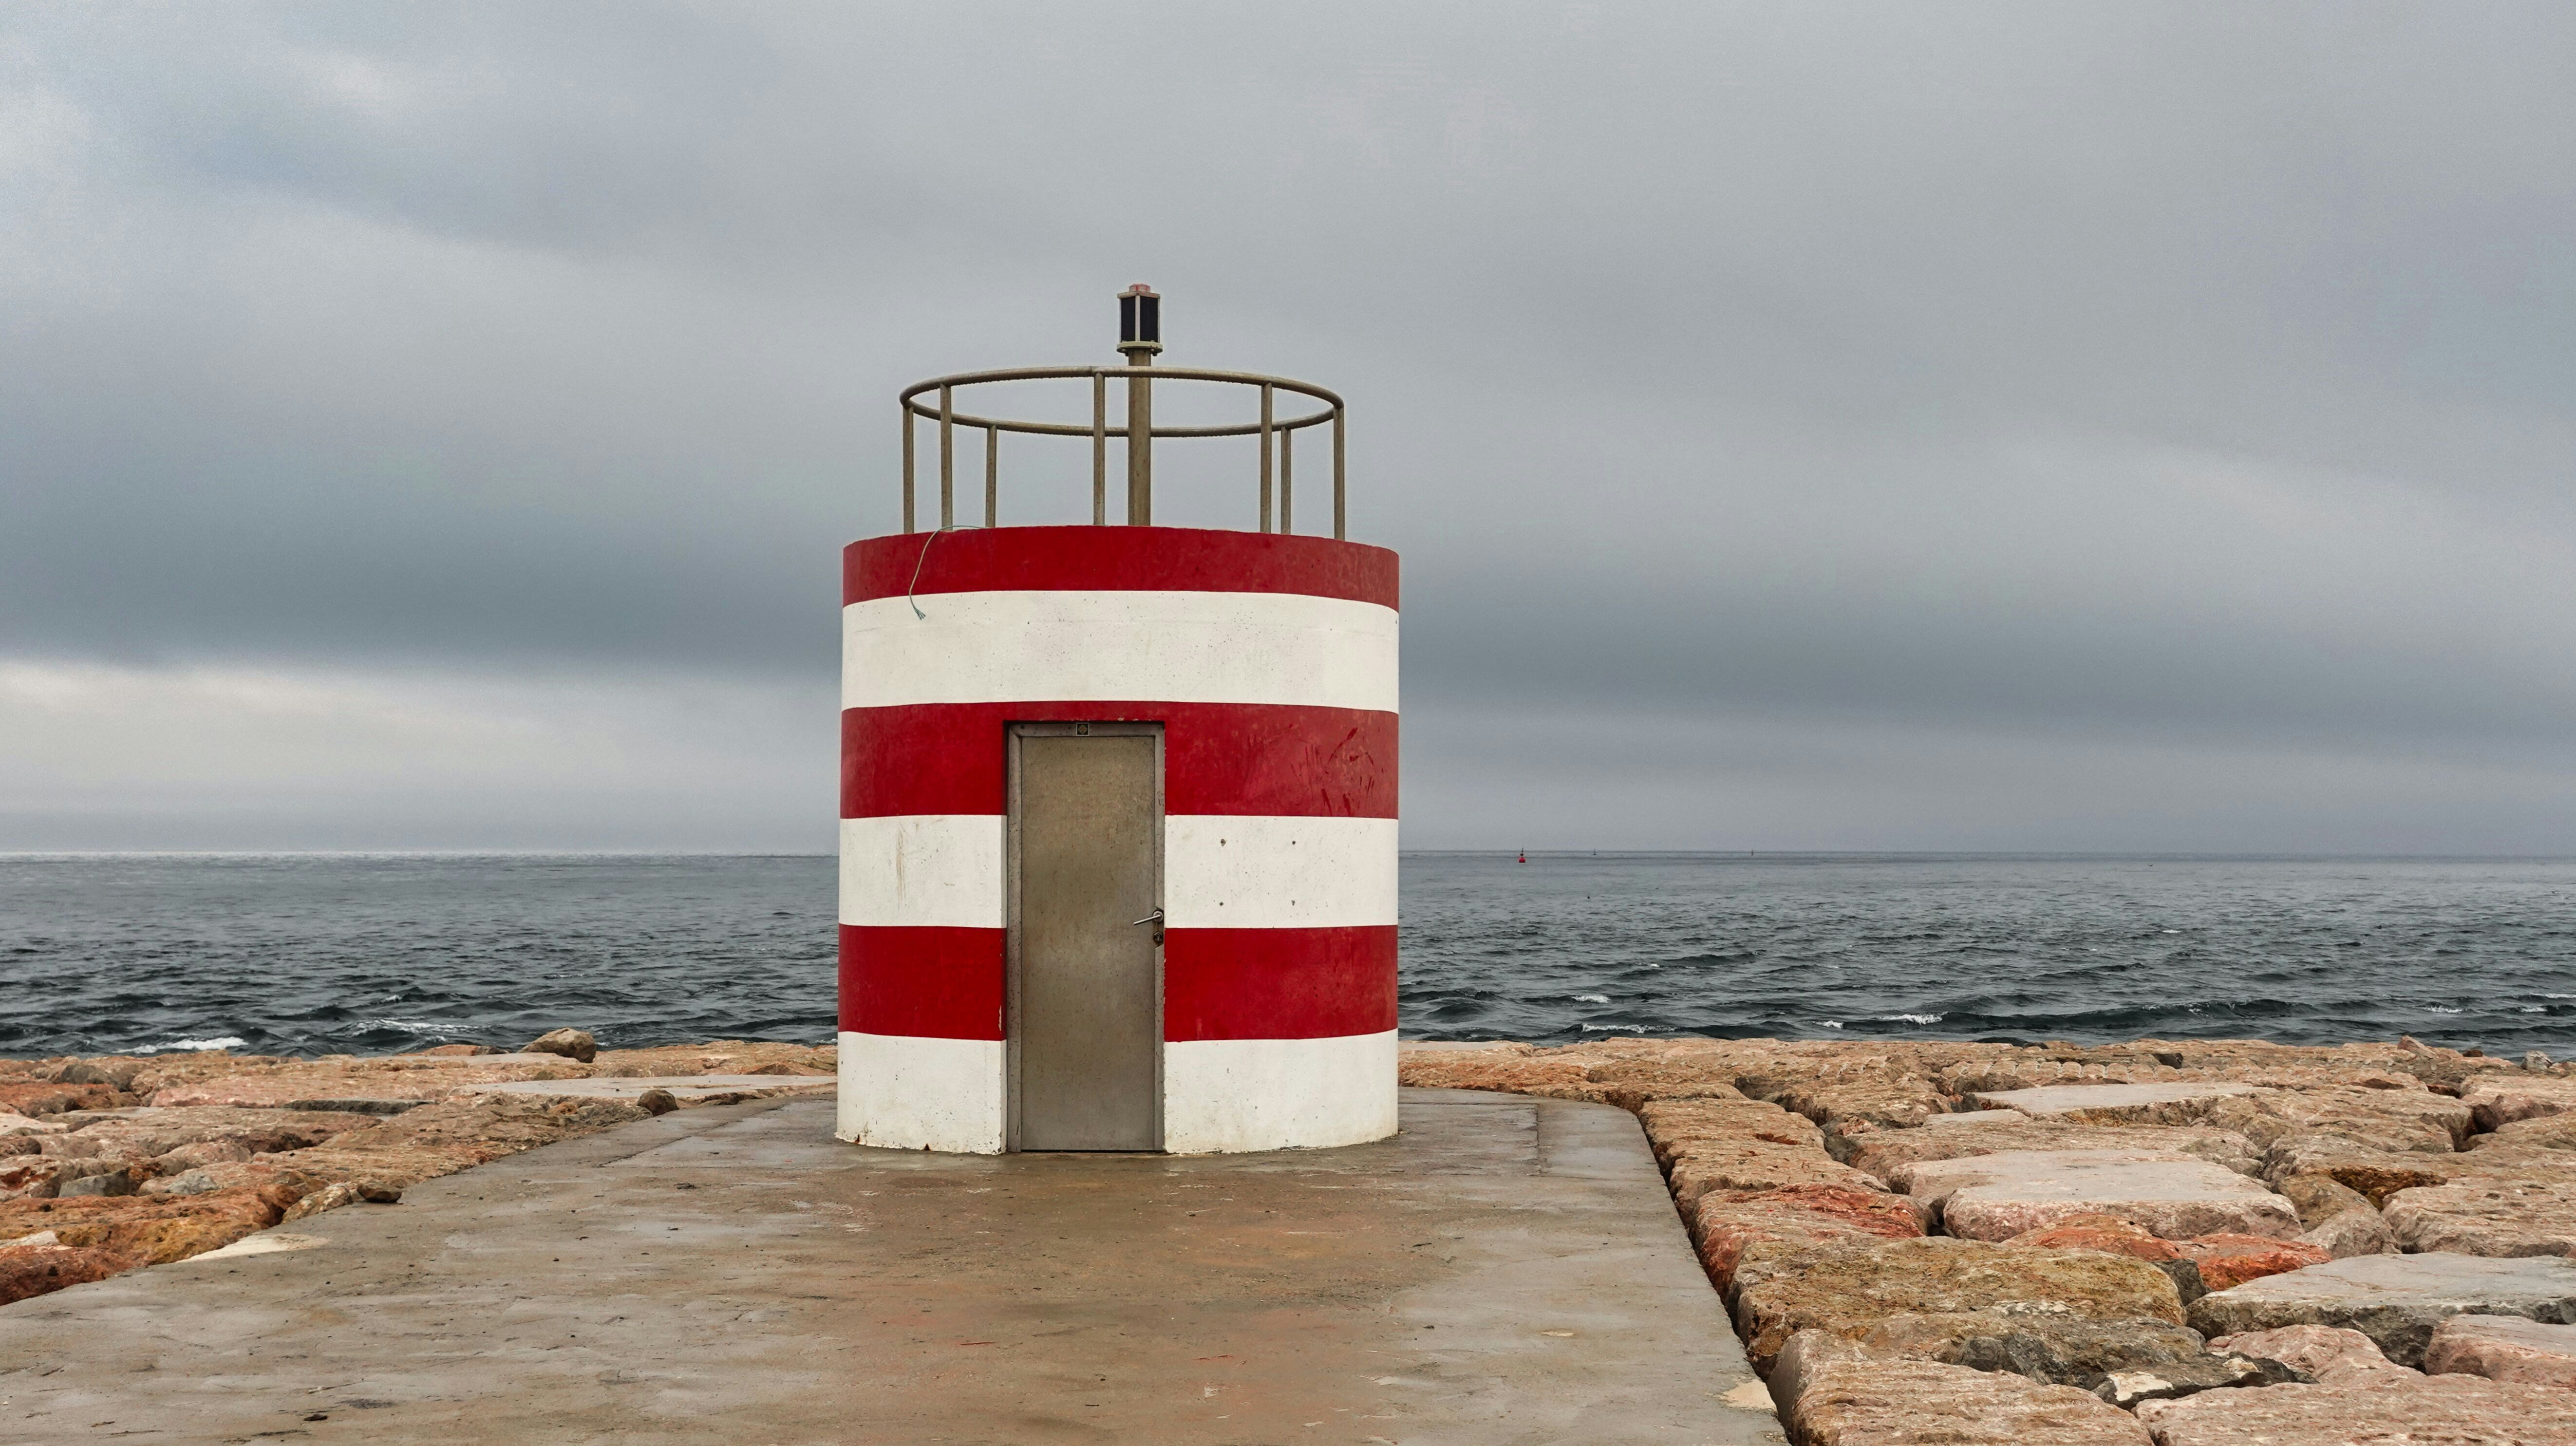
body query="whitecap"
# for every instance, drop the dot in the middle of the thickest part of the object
(229, 1041)
(1589, 998)
(2439, 1009)
(1911, 1018)
(1833, 1024)
(1605, 1028)
(407, 1026)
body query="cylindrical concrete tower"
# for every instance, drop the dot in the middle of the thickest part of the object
(1118, 816)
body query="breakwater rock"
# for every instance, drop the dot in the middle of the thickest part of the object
(114, 1164)
(2174, 1242)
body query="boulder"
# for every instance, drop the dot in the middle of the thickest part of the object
(113, 1072)
(2227, 1261)
(152, 1132)
(2504, 1348)
(2319, 1352)
(570, 1043)
(34, 1269)
(657, 1101)
(1754, 1164)
(2355, 1232)
(36, 1100)
(2396, 1300)
(2319, 1198)
(1903, 1402)
(2497, 1100)
(2173, 1102)
(14, 1125)
(2541, 1132)
(2370, 1407)
(1729, 1223)
(71, 1185)
(1998, 1196)
(2120, 1361)
(2373, 1173)
(2396, 1119)
(443, 1138)
(1902, 1101)
(2007, 1131)
(145, 1229)
(204, 1152)
(1673, 1126)
(329, 1197)
(2488, 1215)
(1851, 1287)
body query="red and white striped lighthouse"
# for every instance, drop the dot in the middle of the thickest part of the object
(1118, 809)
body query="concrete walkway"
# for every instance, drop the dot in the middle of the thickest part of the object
(1506, 1270)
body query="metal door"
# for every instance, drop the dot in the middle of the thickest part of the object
(1086, 931)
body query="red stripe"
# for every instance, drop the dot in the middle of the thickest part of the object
(1217, 983)
(1226, 758)
(940, 982)
(1278, 983)
(1129, 559)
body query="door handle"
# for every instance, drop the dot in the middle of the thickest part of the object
(1156, 919)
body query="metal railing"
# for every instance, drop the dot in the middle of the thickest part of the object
(1137, 433)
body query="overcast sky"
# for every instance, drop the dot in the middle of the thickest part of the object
(1806, 426)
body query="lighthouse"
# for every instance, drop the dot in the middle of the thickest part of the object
(1118, 801)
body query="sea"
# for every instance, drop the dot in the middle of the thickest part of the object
(363, 953)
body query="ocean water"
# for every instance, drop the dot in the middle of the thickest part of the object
(360, 953)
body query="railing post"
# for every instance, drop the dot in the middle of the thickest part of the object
(1287, 482)
(1265, 456)
(1099, 447)
(907, 465)
(992, 473)
(1338, 510)
(1140, 449)
(947, 461)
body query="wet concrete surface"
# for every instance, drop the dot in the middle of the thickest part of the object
(1506, 1270)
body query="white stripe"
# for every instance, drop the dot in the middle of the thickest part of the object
(915, 1093)
(923, 869)
(1277, 1094)
(1220, 871)
(1165, 647)
(1225, 871)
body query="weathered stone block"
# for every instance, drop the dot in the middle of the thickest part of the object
(1849, 1289)
(1998, 1196)
(2396, 1119)
(2497, 1100)
(2482, 1215)
(2370, 1407)
(2174, 1102)
(2504, 1348)
(1881, 1153)
(2541, 1132)
(1753, 1164)
(2321, 1352)
(1903, 1402)
(2396, 1300)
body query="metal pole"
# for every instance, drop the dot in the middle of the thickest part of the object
(992, 473)
(1140, 445)
(1265, 456)
(1099, 448)
(947, 462)
(907, 466)
(1337, 474)
(1287, 483)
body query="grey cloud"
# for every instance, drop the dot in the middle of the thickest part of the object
(2152, 377)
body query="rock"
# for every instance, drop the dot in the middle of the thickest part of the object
(2541, 1132)
(2120, 1361)
(2178, 1102)
(2396, 1300)
(2374, 1174)
(2370, 1407)
(2405, 1120)
(2316, 1351)
(158, 1131)
(1672, 1126)
(329, 1197)
(37, 1100)
(570, 1043)
(33, 1270)
(657, 1102)
(2227, 1261)
(457, 1051)
(1729, 1223)
(1998, 1196)
(2536, 1060)
(114, 1073)
(113, 1182)
(1880, 1153)
(443, 1138)
(1850, 1288)
(2499, 1100)
(1808, 1352)
(2355, 1232)
(13, 1124)
(2481, 1215)
(2504, 1348)
(1903, 1101)
(148, 1230)
(1754, 1164)
(32, 1177)
(1902, 1402)
(2319, 1198)
(204, 1152)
